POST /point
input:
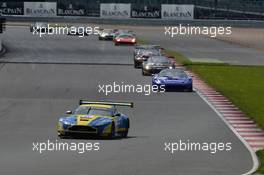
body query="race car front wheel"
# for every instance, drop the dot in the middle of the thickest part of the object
(125, 133)
(112, 134)
(62, 136)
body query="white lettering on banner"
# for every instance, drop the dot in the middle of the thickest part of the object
(111, 10)
(40, 9)
(154, 14)
(80, 12)
(180, 12)
(15, 11)
(4, 9)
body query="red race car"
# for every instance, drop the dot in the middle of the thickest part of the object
(125, 39)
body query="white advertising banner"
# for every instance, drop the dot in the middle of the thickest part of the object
(112, 10)
(40, 9)
(178, 12)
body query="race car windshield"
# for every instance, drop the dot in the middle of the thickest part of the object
(158, 60)
(86, 110)
(149, 51)
(173, 73)
(100, 111)
(125, 36)
(82, 110)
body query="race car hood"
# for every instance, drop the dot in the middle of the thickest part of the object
(88, 120)
(174, 79)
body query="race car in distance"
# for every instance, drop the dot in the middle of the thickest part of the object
(143, 55)
(125, 39)
(106, 34)
(155, 64)
(146, 47)
(98, 119)
(173, 80)
(118, 32)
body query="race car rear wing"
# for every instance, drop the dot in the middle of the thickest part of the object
(129, 104)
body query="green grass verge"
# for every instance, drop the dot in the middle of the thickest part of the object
(260, 154)
(243, 85)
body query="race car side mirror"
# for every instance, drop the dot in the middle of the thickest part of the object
(68, 112)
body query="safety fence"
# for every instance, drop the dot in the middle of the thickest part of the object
(163, 9)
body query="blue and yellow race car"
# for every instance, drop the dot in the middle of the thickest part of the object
(99, 119)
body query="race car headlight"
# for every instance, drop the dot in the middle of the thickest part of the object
(66, 123)
(103, 35)
(188, 80)
(147, 67)
(157, 81)
(118, 40)
(133, 40)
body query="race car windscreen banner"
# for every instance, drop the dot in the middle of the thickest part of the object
(11, 8)
(112, 10)
(145, 11)
(178, 12)
(40, 9)
(71, 8)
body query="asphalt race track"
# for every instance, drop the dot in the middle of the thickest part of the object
(200, 48)
(33, 96)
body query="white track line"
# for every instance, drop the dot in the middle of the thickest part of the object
(235, 131)
(249, 130)
(261, 139)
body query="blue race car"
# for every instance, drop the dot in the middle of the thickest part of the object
(173, 80)
(98, 119)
